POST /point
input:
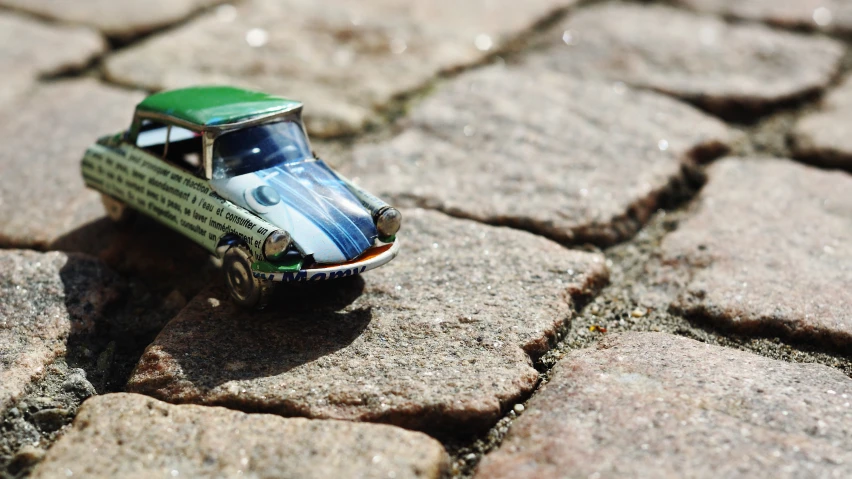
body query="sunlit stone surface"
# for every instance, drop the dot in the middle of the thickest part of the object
(30, 48)
(656, 405)
(44, 136)
(726, 68)
(574, 160)
(438, 340)
(345, 59)
(769, 251)
(823, 137)
(116, 18)
(830, 15)
(133, 436)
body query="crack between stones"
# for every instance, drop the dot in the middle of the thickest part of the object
(466, 453)
(771, 134)
(22, 438)
(399, 105)
(516, 46)
(629, 263)
(680, 189)
(615, 309)
(35, 16)
(114, 44)
(735, 111)
(753, 124)
(767, 327)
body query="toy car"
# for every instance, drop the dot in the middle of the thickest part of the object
(233, 170)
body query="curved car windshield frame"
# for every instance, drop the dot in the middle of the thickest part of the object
(258, 148)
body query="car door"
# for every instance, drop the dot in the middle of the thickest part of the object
(169, 160)
(160, 173)
(157, 173)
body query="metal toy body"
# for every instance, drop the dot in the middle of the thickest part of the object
(233, 170)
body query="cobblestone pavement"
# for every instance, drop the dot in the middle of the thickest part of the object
(627, 247)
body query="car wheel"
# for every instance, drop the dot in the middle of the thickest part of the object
(117, 210)
(246, 290)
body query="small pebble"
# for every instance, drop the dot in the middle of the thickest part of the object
(27, 456)
(638, 313)
(519, 408)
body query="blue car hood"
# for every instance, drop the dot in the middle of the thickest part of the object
(312, 189)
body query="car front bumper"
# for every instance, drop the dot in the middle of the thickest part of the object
(371, 259)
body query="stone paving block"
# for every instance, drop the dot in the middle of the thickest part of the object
(657, 405)
(574, 160)
(438, 340)
(15, 85)
(117, 18)
(823, 137)
(769, 251)
(29, 49)
(344, 59)
(133, 436)
(45, 298)
(726, 68)
(45, 134)
(829, 15)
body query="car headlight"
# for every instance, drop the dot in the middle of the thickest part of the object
(262, 198)
(276, 245)
(266, 195)
(388, 221)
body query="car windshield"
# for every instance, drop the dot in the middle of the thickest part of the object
(258, 148)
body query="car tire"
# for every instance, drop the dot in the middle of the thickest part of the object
(245, 289)
(116, 210)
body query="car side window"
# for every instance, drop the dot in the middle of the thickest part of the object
(177, 145)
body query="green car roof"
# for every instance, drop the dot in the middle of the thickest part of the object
(215, 105)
